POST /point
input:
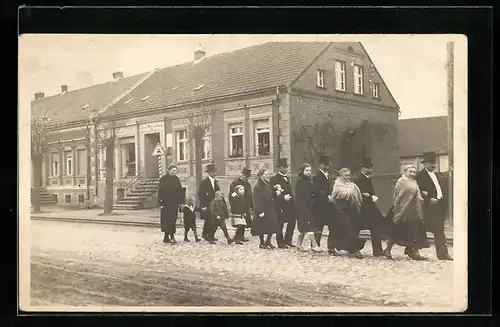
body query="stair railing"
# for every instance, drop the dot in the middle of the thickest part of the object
(132, 183)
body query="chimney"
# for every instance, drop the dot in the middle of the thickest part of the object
(117, 75)
(64, 88)
(199, 55)
(39, 95)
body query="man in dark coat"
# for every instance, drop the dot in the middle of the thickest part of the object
(434, 204)
(370, 216)
(323, 204)
(170, 196)
(284, 205)
(243, 180)
(206, 193)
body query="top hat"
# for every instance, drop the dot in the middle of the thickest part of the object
(429, 156)
(247, 172)
(211, 168)
(366, 163)
(324, 159)
(282, 162)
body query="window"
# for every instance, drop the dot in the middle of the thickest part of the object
(69, 163)
(262, 137)
(68, 198)
(81, 198)
(55, 164)
(206, 148)
(375, 89)
(358, 79)
(182, 153)
(82, 161)
(340, 75)
(320, 78)
(236, 141)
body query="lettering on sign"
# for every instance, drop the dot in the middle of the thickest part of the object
(151, 128)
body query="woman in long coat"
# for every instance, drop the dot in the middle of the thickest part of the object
(405, 219)
(304, 206)
(170, 196)
(266, 220)
(347, 199)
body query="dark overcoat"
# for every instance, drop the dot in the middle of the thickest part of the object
(434, 214)
(206, 193)
(170, 194)
(370, 216)
(323, 209)
(248, 197)
(304, 204)
(239, 210)
(264, 203)
(284, 209)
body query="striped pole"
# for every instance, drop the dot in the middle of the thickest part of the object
(159, 165)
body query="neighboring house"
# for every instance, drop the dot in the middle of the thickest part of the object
(260, 98)
(419, 135)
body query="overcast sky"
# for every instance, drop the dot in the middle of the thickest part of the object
(413, 67)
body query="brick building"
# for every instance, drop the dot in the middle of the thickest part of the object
(288, 99)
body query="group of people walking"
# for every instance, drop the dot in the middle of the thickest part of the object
(343, 204)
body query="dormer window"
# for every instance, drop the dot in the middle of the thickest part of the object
(320, 78)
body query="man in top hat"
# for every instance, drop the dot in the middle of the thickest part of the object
(243, 180)
(434, 203)
(284, 205)
(323, 203)
(370, 216)
(206, 193)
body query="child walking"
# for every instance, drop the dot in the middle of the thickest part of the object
(239, 212)
(218, 208)
(189, 211)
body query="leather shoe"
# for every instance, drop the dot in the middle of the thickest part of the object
(290, 245)
(282, 246)
(333, 252)
(358, 255)
(447, 257)
(246, 240)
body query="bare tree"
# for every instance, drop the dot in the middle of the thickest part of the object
(199, 126)
(39, 148)
(107, 136)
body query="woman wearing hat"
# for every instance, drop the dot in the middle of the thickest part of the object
(304, 206)
(265, 221)
(405, 218)
(348, 199)
(170, 196)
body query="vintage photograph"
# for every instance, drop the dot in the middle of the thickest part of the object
(243, 173)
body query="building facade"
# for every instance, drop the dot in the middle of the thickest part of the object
(419, 135)
(263, 102)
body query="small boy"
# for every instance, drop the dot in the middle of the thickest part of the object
(189, 211)
(220, 213)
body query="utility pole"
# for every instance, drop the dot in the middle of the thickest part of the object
(450, 80)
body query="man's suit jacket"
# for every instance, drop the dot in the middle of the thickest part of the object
(284, 209)
(206, 193)
(434, 214)
(322, 187)
(370, 215)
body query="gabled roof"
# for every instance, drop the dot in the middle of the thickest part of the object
(419, 135)
(76, 105)
(249, 69)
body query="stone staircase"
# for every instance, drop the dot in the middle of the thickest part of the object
(136, 196)
(45, 197)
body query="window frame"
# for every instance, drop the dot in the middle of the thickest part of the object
(231, 141)
(178, 142)
(204, 141)
(376, 86)
(339, 72)
(256, 136)
(320, 76)
(358, 78)
(81, 152)
(69, 165)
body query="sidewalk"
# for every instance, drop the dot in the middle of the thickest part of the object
(140, 218)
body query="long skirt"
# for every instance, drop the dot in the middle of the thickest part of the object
(411, 234)
(168, 219)
(345, 231)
